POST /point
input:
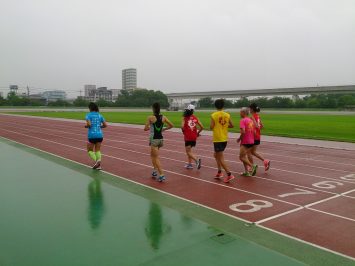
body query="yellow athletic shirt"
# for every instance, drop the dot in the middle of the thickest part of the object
(221, 122)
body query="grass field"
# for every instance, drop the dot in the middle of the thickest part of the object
(326, 127)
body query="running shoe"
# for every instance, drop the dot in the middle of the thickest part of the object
(189, 166)
(161, 178)
(154, 174)
(255, 168)
(218, 176)
(267, 165)
(96, 165)
(228, 178)
(198, 164)
(245, 174)
(99, 168)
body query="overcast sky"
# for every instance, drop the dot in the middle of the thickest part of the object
(177, 45)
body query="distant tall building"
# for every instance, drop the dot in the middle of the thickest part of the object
(129, 78)
(88, 90)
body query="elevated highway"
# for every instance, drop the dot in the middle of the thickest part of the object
(180, 98)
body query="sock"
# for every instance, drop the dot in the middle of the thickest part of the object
(92, 155)
(98, 155)
(229, 173)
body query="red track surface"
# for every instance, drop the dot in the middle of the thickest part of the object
(323, 215)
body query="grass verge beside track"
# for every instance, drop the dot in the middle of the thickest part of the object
(324, 127)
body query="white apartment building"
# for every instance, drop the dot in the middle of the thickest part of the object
(129, 78)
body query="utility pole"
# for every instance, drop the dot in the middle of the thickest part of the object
(28, 91)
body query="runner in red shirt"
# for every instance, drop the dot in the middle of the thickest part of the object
(254, 109)
(191, 127)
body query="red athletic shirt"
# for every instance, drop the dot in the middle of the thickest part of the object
(190, 129)
(257, 129)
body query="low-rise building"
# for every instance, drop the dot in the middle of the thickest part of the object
(52, 96)
(94, 94)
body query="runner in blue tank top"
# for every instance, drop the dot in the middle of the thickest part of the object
(95, 122)
(155, 123)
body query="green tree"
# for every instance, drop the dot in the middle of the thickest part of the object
(15, 100)
(345, 100)
(141, 98)
(2, 101)
(80, 102)
(242, 102)
(59, 102)
(206, 102)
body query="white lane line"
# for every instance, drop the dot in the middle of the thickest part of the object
(167, 158)
(348, 192)
(200, 144)
(332, 214)
(133, 127)
(278, 215)
(261, 221)
(198, 204)
(146, 154)
(307, 242)
(308, 207)
(321, 201)
(203, 156)
(168, 171)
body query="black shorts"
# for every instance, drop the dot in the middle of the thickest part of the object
(257, 142)
(219, 146)
(95, 140)
(190, 143)
(248, 145)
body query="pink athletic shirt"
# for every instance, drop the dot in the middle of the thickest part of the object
(247, 124)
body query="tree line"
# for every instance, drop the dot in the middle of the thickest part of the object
(135, 98)
(145, 98)
(312, 101)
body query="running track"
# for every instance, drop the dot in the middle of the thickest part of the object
(309, 193)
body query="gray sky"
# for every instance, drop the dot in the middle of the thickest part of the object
(177, 45)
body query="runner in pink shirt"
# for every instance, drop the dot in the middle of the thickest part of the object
(246, 141)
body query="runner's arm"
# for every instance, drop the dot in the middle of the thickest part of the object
(212, 124)
(147, 124)
(200, 127)
(104, 124)
(242, 132)
(170, 125)
(261, 125)
(182, 124)
(88, 124)
(254, 121)
(230, 124)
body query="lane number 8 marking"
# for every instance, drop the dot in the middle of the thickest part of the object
(254, 206)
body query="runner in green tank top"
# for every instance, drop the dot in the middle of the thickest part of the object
(155, 124)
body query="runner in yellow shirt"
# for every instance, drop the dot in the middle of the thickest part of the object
(220, 123)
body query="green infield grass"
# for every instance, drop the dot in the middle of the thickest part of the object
(325, 127)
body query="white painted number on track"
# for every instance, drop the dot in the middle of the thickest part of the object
(350, 177)
(299, 192)
(327, 184)
(253, 204)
